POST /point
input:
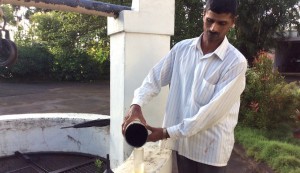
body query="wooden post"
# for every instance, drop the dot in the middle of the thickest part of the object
(79, 6)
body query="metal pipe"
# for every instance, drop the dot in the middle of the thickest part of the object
(79, 6)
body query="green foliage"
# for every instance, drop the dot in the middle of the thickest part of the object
(99, 166)
(76, 66)
(8, 13)
(281, 156)
(260, 20)
(77, 43)
(72, 47)
(268, 100)
(188, 19)
(70, 32)
(34, 62)
(257, 23)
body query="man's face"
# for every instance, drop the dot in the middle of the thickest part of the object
(216, 26)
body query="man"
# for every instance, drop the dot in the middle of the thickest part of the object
(206, 76)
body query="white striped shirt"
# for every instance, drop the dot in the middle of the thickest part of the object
(203, 101)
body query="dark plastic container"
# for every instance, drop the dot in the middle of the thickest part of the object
(136, 134)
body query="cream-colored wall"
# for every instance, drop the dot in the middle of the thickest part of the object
(138, 39)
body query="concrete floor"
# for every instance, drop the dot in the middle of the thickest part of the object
(67, 97)
(45, 97)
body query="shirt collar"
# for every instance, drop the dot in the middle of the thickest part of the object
(220, 51)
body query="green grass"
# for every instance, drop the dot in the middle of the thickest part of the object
(99, 166)
(277, 148)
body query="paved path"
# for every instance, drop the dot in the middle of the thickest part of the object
(66, 97)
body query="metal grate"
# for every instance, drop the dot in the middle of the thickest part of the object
(28, 169)
(50, 163)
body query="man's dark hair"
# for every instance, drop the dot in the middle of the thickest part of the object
(222, 6)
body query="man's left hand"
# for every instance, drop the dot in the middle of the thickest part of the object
(156, 134)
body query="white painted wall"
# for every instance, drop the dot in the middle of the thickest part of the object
(155, 160)
(138, 39)
(42, 132)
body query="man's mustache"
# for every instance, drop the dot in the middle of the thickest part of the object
(213, 33)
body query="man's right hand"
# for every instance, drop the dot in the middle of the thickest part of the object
(135, 112)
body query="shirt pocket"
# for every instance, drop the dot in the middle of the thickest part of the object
(203, 92)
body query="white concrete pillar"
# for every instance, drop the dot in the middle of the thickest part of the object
(138, 39)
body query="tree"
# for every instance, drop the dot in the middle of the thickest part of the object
(78, 42)
(8, 13)
(188, 19)
(261, 22)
